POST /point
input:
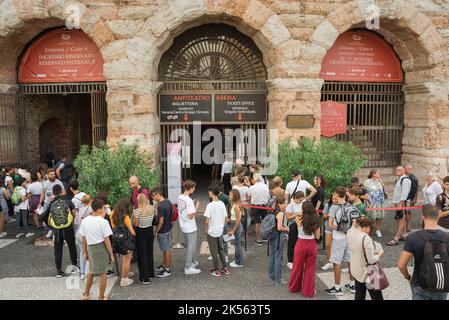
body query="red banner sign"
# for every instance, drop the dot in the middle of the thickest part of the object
(361, 56)
(333, 118)
(62, 56)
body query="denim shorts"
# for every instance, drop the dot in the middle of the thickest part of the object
(164, 241)
(327, 229)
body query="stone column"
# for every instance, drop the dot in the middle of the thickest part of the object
(294, 97)
(132, 114)
(426, 127)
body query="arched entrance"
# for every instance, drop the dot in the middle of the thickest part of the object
(362, 71)
(215, 75)
(61, 102)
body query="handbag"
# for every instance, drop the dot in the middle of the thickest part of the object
(376, 279)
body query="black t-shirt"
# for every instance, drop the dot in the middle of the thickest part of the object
(165, 210)
(442, 203)
(319, 196)
(415, 245)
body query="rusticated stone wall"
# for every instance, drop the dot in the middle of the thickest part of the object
(293, 36)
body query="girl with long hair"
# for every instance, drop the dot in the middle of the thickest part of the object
(234, 228)
(276, 244)
(120, 216)
(302, 277)
(143, 221)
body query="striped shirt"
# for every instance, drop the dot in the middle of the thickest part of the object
(145, 221)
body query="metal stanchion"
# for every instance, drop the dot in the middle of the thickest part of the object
(179, 244)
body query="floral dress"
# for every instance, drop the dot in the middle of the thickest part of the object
(375, 191)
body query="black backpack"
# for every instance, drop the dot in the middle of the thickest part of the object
(413, 188)
(122, 242)
(349, 213)
(434, 268)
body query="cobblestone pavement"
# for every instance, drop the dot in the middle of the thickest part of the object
(27, 272)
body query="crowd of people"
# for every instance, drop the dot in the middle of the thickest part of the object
(241, 201)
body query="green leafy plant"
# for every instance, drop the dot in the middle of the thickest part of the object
(336, 161)
(100, 168)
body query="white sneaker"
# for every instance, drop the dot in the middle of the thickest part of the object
(130, 274)
(188, 271)
(82, 276)
(19, 235)
(3, 234)
(29, 234)
(345, 270)
(378, 234)
(126, 282)
(290, 265)
(327, 266)
(11, 220)
(209, 258)
(227, 259)
(233, 264)
(49, 234)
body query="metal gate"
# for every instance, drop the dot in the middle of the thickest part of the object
(375, 118)
(99, 113)
(12, 142)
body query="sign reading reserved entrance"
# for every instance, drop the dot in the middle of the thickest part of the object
(185, 107)
(333, 118)
(230, 108)
(240, 107)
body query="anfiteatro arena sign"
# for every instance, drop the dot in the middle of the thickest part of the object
(225, 108)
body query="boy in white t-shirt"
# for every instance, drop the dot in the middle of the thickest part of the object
(340, 250)
(216, 214)
(95, 231)
(187, 212)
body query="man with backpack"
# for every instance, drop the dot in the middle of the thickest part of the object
(413, 196)
(430, 250)
(61, 215)
(165, 215)
(47, 193)
(62, 171)
(341, 217)
(401, 197)
(442, 204)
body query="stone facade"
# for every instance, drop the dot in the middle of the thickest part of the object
(292, 35)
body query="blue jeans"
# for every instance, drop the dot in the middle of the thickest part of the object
(276, 247)
(22, 216)
(84, 265)
(419, 293)
(237, 242)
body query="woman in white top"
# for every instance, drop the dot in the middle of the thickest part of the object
(432, 189)
(83, 212)
(35, 190)
(302, 277)
(364, 251)
(22, 210)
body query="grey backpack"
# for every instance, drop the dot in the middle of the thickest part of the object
(268, 227)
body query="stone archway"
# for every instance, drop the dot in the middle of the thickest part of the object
(21, 21)
(419, 46)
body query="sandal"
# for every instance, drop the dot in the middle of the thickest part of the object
(104, 298)
(84, 297)
(392, 243)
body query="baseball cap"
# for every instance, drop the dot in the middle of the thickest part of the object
(296, 173)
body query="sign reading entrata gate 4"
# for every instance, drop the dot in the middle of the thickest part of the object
(240, 107)
(185, 107)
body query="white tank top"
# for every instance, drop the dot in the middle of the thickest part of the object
(302, 235)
